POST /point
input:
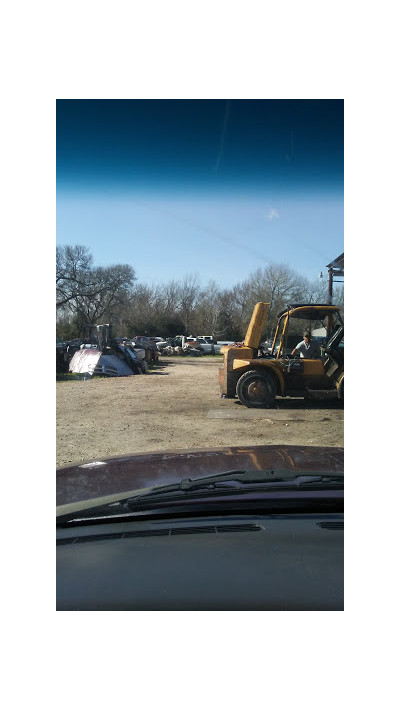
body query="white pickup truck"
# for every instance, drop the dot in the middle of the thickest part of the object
(200, 343)
(207, 344)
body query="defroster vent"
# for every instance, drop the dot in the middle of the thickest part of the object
(181, 531)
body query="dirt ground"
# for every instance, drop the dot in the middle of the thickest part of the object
(178, 406)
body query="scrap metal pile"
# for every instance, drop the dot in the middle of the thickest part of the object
(171, 350)
(188, 345)
(101, 354)
(104, 355)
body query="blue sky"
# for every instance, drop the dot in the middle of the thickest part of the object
(217, 187)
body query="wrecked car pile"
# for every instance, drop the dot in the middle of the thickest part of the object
(101, 354)
(171, 350)
(65, 351)
(106, 357)
(189, 345)
(147, 346)
(143, 347)
(114, 361)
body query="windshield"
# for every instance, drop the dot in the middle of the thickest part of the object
(176, 218)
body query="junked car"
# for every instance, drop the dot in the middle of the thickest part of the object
(148, 347)
(205, 346)
(112, 362)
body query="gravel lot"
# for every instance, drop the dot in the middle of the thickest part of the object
(178, 406)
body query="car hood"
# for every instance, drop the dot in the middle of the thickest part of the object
(119, 474)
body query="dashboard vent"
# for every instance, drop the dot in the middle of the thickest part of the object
(241, 528)
(187, 530)
(238, 528)
(332, 525)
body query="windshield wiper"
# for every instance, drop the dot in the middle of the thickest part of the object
(225, 482)
(269, 476)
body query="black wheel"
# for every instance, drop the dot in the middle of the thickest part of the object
(256, 389)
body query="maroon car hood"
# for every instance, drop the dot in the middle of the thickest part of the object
(119, 474)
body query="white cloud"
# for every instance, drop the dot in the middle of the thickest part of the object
(273, 214)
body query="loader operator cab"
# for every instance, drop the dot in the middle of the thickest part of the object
(297, 319)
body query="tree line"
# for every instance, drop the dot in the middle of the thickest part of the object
(88, 295)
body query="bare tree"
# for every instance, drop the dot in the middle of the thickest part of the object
(73, 270)
(207, 312)
(170, 299)
(90, 293)
(276, 284)
(188, 294)
(113, 290)
(141, 309)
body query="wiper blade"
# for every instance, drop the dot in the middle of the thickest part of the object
(224, 482)
(256, 476)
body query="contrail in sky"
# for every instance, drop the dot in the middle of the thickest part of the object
(221, 147)
(210, 231)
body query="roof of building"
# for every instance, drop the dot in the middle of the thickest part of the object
(337, 263)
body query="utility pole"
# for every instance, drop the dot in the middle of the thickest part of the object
(335, 268)
(330, 285)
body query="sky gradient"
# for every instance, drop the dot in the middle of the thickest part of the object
(216, 187)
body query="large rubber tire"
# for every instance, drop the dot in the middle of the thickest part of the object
(256, 389)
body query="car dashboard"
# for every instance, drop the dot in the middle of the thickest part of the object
(238, 562)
